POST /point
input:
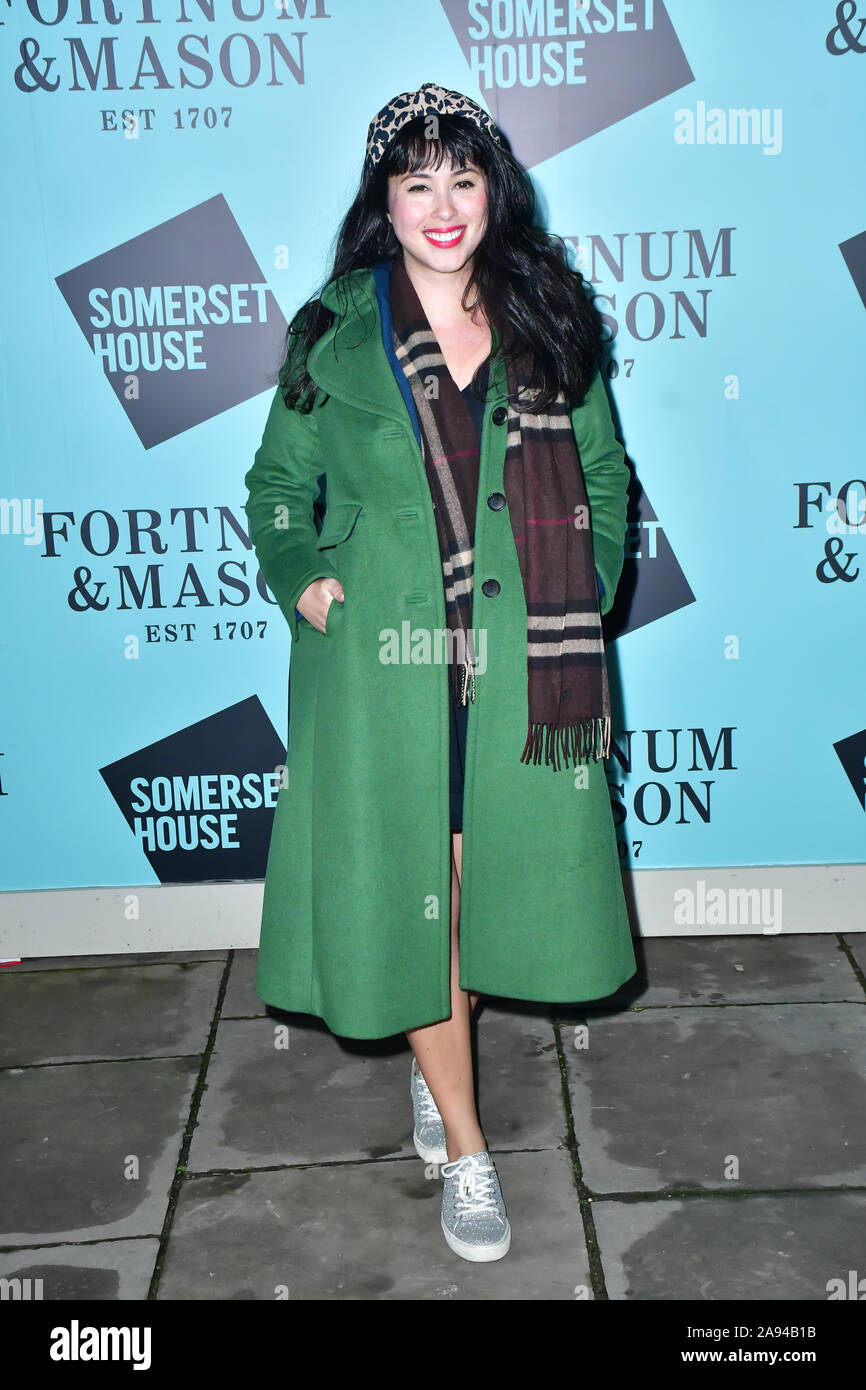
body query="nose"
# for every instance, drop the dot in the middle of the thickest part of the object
(444, 204)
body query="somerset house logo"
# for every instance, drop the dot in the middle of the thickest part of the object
(854, 253)
(554, 72)
(851, 753)
(201, 801)
(652, 584)
(180, 320)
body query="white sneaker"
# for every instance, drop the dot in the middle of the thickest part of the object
(474, 1222)
(429, 1132)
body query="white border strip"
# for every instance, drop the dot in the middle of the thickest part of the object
(764, 899)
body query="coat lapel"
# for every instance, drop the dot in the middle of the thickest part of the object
(349, 359)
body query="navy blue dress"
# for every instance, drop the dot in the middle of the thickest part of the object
(460, 713)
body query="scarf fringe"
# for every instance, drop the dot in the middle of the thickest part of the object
(589, 738)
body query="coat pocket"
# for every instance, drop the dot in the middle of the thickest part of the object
(338, 524)
(333, 616)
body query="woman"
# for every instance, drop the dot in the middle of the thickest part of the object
(447, 663)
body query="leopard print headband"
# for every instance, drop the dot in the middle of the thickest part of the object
(428, 100)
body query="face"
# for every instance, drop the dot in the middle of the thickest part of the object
(439, 216)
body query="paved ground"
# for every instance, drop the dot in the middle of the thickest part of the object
(167, 1137)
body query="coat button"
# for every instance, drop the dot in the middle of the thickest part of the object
(496, 501)
(490, 587)
(500, 415)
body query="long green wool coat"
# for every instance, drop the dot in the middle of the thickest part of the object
(356, 913)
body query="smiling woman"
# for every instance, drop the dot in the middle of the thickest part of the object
(445, 386)
(440, 220)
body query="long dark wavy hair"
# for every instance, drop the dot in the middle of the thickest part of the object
(539, 303)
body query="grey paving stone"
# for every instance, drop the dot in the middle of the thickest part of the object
(88, 962)
(520, 1099)
(662, 1098)
(104, 1271)
(241, 1000)
(69, 1135)
(316, 1099)
(734, 970)
(370, 1231)
(766, 1248)
(856, 943)
(324, 1099)
(79, 1015)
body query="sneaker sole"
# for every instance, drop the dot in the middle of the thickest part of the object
(437, 1156)
(478, 1254)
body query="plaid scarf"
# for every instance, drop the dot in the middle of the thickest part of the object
(568, 697)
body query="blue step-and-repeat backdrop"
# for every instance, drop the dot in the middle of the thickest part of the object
(175, 171)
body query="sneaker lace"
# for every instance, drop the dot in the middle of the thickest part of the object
(475, 1186)
(427, 1107)
(428, 1111)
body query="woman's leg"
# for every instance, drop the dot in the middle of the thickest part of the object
(444, 1050)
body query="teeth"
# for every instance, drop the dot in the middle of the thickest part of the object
(444, 236)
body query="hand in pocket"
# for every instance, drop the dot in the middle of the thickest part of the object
(317, 599)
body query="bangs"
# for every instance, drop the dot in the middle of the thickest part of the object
(457, 143)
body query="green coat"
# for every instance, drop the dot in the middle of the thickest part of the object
(356, 913)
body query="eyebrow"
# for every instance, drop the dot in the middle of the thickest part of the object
(461, 169)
